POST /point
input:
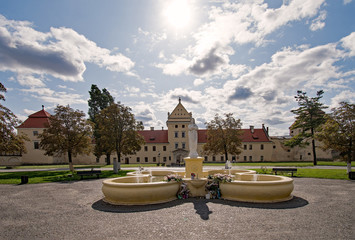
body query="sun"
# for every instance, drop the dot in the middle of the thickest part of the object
(178, 13)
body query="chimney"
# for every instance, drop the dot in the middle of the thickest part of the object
(252, 129)
(151, 128)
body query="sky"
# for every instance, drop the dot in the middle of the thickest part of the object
(245, 57)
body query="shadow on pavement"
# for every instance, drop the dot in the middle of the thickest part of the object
(200, 205)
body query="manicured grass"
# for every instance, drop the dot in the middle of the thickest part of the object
(283, 164)
(52, 176)
(311, 173)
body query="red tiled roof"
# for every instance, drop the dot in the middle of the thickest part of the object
(259, 135)
(155, 136)
(161, 136)
(37, 120)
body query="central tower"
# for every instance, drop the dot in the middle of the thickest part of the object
(177, 123)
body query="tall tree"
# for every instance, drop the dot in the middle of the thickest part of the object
(118, 127)
(68, 132)
(10, 142)
(223, 136)
(98, 101)
(309, 117)
(338, 133)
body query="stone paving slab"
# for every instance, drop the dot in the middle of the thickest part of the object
(320, 209)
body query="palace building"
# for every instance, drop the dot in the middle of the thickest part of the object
(168, 146)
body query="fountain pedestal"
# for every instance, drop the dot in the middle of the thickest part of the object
(196, 186)
(193, 165)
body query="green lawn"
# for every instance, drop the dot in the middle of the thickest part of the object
(52, 176)
(311, 173)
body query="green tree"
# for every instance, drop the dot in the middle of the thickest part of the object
(223, 136)
(10, 142)
(98, 101)
(118, 127)
(338, 133)
(68, 132)
(309, 117)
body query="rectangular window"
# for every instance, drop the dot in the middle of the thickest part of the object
(262, 146)
(146, 159)
(176, 134)
(176, 126)
(169, 158)
(222, 158)
(250, 158)
(176, 145)
(214, 158)
(183, 145)
(274, 147)
(36, 145)
(146, 148)
(261, 158)
(245, 147)
(164, 159)
(164, 148)
(233, 158)
(250, 147)
(138, 159)
(35, 133)
(245, 158)
(154, 148)
(206, 158)
(154, 159)
(182, 134)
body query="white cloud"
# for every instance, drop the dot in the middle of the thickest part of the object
(47, 95)
(30, 80)
(61, 53)
(348, 43)
(344, 96)
(319, 23)
(347, 1)
(237, 23)
(198, 82)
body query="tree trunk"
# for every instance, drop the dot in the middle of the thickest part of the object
(314, 153)
(226, 152)
(350, 156)
(71, 166)
(108, 158)
(115, 166)
(314, 148)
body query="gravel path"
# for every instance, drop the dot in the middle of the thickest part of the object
(321, 209)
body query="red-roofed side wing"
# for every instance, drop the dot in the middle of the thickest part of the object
(259, 135)
(155, 136)
(39, 119)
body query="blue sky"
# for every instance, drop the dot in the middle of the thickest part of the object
(247, 57)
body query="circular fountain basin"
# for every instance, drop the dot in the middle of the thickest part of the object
(138, 190)
(258, 188)
(231, 171)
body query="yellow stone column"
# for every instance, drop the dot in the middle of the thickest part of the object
(193, 165)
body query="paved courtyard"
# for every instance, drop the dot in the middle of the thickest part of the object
(321, 209)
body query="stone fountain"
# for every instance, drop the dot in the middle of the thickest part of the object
(149, 187)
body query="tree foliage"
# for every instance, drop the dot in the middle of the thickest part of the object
(119, 129)
(10, 142)
(338, 133)
(223, 136)
(98, 101)
(309, 117)
(68, 132)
